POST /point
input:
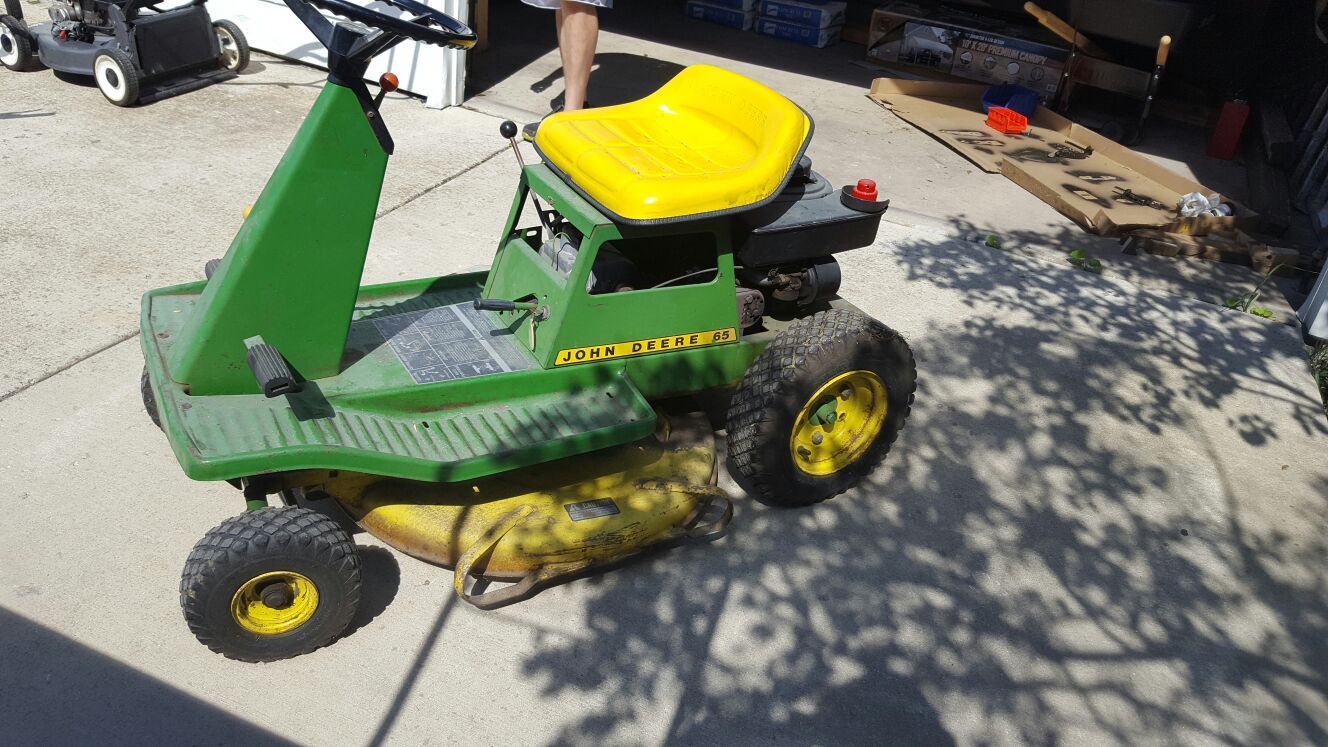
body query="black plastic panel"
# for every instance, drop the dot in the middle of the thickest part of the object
(175, 40)
(809, 222)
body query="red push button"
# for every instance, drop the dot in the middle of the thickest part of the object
(866, 190)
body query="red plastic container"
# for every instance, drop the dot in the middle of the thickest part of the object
(1230, 126)
(1007, 121)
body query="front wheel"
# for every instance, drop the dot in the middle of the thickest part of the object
(16, 45)
(820, 407)
(234, 47)
(116, 76)
(271, 584)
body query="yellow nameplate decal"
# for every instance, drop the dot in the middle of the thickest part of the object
(642, 347)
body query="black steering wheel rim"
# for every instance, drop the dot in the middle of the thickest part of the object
(429, 26)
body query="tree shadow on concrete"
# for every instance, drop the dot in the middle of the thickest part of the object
(1074, 540)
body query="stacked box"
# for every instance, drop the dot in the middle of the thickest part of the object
(808, 35)
(967, 44)
(736, 14)
(820, 14)
(814, 23)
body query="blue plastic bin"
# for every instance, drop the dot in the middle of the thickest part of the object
(1010, 96)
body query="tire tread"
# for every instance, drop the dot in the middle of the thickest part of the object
(251, 535)
(754, 405)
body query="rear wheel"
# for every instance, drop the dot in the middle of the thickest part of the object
(820, 407)
(234, 47)
(116, 76)
(149, 398)
(16, 45)
(271, 584)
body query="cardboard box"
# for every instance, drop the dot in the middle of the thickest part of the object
(722, 15)
(799, 34)
(743, 5)
(820, 14)
(968, 45)
(1090, 191)
(1239, 249)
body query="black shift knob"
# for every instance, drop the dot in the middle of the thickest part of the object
(507, 129)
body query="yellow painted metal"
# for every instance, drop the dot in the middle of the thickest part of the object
(709, 140)
(838, 423)
(439, 522)
(252, 614)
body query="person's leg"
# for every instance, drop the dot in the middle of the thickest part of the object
(578, 32)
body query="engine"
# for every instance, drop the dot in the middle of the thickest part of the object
(76, 19)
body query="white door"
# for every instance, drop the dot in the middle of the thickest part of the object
(424, 69)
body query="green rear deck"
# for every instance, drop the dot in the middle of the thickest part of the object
(376, 417)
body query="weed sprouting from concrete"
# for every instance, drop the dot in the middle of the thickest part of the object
(1080, 259)
(1245, 302)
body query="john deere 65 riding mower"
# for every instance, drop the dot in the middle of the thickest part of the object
(509, 423)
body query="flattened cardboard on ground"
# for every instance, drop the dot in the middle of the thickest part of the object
(1088, 191)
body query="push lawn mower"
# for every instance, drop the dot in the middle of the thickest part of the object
(135, 56)
(511, 423)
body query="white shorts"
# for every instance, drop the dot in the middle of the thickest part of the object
(553, 4)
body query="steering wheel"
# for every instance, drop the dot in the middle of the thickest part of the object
(427, 26)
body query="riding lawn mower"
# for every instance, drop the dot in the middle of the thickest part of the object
(519, 424)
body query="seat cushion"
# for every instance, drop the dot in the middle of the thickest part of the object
(708, 142)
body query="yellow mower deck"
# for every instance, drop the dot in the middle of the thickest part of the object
(552, 521)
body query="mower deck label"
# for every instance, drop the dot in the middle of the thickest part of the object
(591, 509)
(643, 347)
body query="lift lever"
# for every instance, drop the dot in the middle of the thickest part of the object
(495, 304)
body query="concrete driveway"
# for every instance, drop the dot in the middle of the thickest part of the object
(1104, 523)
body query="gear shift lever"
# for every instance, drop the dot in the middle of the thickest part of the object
(508, 130)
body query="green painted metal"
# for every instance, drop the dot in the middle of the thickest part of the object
(308, 230)
(826, 412)
(371, 417)
(292, 275)
(579, 319)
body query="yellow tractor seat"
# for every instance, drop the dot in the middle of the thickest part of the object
(708, 142)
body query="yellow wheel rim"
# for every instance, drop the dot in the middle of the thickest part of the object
(274, 603)
(839, 423)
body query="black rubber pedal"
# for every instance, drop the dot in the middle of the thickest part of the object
(270, 369)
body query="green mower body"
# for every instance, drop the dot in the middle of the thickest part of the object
(282, 374)
(462, 393)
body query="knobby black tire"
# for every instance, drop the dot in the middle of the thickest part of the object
(800, 360)
(284, 538)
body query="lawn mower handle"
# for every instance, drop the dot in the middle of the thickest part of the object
(449, 32)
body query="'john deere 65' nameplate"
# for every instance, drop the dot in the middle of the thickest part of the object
(644, 347)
